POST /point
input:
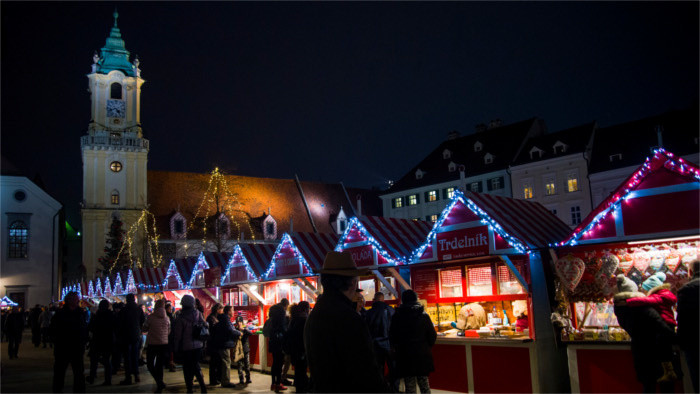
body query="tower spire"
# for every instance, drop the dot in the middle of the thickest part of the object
(115, 15)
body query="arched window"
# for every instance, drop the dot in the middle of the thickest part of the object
(115, 197)
(115, 91)
(19, 237)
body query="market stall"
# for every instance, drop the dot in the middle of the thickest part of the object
(480, 275)
(239, 288)
(649, 224)
(381, 244)
(6, 303)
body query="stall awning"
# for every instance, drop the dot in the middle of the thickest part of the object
(258, 256)
(217, 259)
(527, 221)
(660, 199)
(314, 247)
(149, 279)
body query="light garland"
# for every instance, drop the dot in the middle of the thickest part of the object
(201, 265)
(672, 163)
(98, 288)
(287, 240)
(118, 290)
(172, 270)
(107, 288)
(237, 251)
(355, 222)
(130, 283)
(151, 239)
(91, 290)
(484, 218)
(218, 192)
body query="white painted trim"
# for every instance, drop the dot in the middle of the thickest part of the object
(682, 187)
(252, 293)
(573, 369)
(355, 244)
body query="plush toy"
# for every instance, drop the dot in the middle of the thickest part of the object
(471, 317)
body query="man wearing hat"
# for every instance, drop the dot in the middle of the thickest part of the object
(337, 340)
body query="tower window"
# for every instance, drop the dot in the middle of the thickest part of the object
(115, 91)
(179, 226)
(19, 235)
(115, 166)
(115, 198)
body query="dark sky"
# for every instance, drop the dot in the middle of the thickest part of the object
(357, 92)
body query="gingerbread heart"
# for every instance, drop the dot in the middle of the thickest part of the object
(569, 269)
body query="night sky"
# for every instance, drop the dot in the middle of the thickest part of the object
(353, 92)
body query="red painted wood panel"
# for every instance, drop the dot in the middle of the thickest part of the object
(661, 213)
(607, 371)
(450, 368)
(500, 369)
(254, 341)
(663, 177)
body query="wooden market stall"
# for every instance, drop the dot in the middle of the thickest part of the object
(478, 272)
(648, 224)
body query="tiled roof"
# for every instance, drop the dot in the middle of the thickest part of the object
(169, 191)
(576, 140)
(503, 143)
(635, 140)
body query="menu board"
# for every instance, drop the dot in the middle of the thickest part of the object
(468, 242)
(425, 283)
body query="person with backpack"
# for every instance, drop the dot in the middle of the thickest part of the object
(188, 342)
(274, 329)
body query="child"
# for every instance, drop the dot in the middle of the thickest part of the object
(660, 298)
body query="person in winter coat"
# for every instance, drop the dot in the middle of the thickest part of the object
(14, 325)
(34, 324)
(158, 327)
(659, 297)
(226, 338)
(689, 322)
(102, 340)
(337, 340)
(117, 350)
(642, 323)
(129, 323)
(277, 315)
(186, 346)
(294, 345)
(45, 322)
(244, 363)
(171, 318)
(212, 352)
(70, 334)
(411, 336)
(379, 321)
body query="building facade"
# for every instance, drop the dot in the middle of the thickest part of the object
(30, 250)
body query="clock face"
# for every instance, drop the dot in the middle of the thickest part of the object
(116, 108)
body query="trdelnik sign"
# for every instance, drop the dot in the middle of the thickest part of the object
(467, 242)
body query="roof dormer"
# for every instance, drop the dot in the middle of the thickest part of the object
(178, 226)
(478, 146)
(559, 147)
(488, 158)
(341, 222)
(446, 154)
(269, 228)
(535, 153)
(419, 174)
(452, 167)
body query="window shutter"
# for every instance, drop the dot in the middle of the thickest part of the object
(393, 202)
(500, 182)
(489, 184)
(481, 186)
(417, 198)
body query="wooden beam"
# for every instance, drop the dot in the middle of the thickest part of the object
(515, 272)
(399, 278)
(306, 289)
(386, 283)
(311, 286)
(213, 297)
(252, 293)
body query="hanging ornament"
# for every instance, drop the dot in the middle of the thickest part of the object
(570, 269)
(626, 261)
(605, 277)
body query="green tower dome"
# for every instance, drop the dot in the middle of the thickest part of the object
(114, 53)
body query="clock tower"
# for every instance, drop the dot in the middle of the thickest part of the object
(114, 151)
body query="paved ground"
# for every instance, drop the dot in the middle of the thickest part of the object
(32, 372)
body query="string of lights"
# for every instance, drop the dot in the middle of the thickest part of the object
(354, 224)
(151, 239)
(172, 271)
(197, 269)
(238, 253)
(287, 242)
(118, 289)
(130, 283)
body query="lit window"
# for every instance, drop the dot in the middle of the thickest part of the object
(432, 195)
(413, 199)
(295, 291)
(17, 243)
(115, 166)
(549, 187)
(507, 282)
(480, 281)
(432, 218)
(575, 215)
(115, 198)
(450, 192)
(527, 191)
(398, 202)
(451, 283)
(572, 183)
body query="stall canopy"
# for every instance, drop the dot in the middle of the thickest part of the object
(476, 224)
(376, 241)
(7, 302)
(299, 255)
(659, 200)
(248, 263)
(149, 280)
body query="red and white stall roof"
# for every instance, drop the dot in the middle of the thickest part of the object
(661, 199)
(299, 254)
(476, 224)
(149, 279)
(247, 263)
(376, 241)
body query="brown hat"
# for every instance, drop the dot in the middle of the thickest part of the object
(341, 263)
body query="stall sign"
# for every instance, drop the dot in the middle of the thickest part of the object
(212, 277)
(362, 255)
(286, 263)
(468, 242)
(238, 271)
(424, 283)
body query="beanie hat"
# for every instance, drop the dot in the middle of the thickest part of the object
(187, 301)
(655, 280)
(625, 284)
(409, 297)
